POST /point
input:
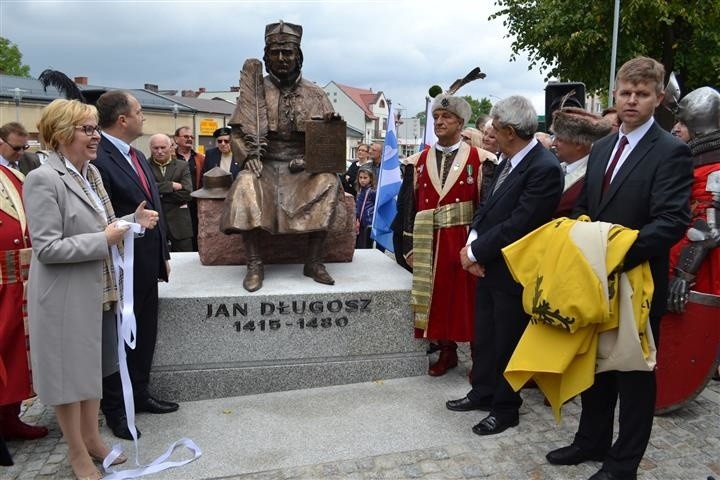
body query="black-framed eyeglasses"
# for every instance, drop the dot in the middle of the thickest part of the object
(17, 148)
(89, 129)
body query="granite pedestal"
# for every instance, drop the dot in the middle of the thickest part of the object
(217, 340)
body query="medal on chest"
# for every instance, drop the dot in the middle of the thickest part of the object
(469, 169)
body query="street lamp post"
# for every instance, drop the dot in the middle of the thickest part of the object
(17, 96)
(613, 52)
(175, 111)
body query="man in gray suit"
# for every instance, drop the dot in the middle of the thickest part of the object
(524, 194)
(174, 183)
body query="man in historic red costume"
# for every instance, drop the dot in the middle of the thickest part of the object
(448, 181)
(15, 255)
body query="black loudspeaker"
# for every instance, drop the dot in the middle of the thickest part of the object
(554, 94)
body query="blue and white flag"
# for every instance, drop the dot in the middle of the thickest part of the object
(429, 138)
(388, 187)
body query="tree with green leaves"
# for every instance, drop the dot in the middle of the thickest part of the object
(572, 39)
(11, 59)
(479, 107)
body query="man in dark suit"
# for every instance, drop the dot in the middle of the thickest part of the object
(129, 181)
(28, 162)
(640, 179)
(222, 155)
(172, 177)
(523, 196)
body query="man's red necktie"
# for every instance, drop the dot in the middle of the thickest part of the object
(613, 164)
(140, 172)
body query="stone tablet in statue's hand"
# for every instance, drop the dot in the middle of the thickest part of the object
(254, 165)
(296, 165)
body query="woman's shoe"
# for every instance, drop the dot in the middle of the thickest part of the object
(122, 458)
(95, 476)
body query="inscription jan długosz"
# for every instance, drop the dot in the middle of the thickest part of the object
(299, 314)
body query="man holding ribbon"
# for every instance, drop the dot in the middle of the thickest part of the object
(129, 181)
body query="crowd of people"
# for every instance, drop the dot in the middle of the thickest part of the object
(464, 200)
(618, 169)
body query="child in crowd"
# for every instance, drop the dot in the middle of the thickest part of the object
(364, 207)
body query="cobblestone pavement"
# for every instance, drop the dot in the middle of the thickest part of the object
(684, 445)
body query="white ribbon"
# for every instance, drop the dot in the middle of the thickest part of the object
(157, 465)
(127, 329)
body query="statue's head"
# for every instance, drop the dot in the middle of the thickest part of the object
(283, 57)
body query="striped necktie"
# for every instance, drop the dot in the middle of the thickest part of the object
(503, 175)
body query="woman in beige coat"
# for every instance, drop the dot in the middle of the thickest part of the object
(71, 281)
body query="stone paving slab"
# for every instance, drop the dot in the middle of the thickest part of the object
(393, 429)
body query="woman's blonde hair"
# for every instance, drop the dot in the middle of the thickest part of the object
(59, 119)
(475, 136)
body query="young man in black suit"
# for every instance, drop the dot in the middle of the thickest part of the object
(523, 196)
(640, 179)
(128, 180)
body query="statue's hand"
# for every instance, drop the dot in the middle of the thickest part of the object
(296, 165)
(255, 166)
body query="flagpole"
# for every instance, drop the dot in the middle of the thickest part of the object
(613, 52)
(389, 106)
(388, 186)
(427, 102)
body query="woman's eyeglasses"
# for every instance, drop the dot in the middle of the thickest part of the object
(89, 129)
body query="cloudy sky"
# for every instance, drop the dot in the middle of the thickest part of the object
(398, 47)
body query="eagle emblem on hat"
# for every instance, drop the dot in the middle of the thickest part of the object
(445, 102)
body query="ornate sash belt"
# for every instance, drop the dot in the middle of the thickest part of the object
(426, 222)
(14, 265)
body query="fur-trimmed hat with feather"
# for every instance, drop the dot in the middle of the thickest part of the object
(579, 126)
(457, 105)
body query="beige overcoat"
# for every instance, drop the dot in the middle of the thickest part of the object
(65, 285)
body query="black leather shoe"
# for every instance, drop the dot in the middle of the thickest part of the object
(153, 405)
(465, 405)
(605, 475)
(572, 455)
(118, 425)
(492, 424)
